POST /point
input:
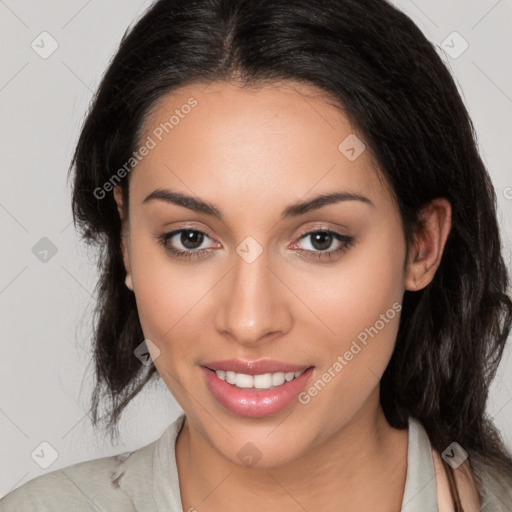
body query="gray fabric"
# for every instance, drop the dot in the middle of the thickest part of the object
(146, 480)
(420, 493)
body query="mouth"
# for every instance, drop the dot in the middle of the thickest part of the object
(255, 393)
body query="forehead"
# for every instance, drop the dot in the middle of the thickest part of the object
(273, 143)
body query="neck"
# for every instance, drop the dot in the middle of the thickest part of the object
(361, 467)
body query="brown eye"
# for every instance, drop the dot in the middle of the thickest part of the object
(190, 241)
(322, 240)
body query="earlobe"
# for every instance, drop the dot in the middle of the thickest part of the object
(118, 196)
(427, 250)
(126, 261)
(128, 281)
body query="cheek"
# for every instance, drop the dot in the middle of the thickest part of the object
(362, 305)
(367, 283)
(166, 291)
(164, 302)
(168, 308)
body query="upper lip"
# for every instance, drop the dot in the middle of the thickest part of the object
(254, 367)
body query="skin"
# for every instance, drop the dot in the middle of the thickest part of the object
(252, 152)
(466, 485)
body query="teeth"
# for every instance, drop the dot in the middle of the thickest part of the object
(263, 381)
(243, 381)
(277, 379)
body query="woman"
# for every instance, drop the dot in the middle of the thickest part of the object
(300, 238)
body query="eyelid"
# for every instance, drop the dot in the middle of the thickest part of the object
(176, 227)
(325, 227)
(321, 227)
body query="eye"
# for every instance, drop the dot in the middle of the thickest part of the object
(322, 239)
(190, 239)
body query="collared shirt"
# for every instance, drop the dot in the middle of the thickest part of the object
(146, 480)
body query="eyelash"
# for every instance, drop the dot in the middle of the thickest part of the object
(347, 242)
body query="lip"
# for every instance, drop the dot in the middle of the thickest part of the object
(254, 367)
(252, 402)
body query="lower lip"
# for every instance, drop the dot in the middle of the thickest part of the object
(251, 402)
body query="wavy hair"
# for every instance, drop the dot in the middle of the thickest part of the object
(393, 86)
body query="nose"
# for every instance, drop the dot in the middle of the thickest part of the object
(253, 306)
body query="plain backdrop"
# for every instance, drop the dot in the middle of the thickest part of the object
(45, 306)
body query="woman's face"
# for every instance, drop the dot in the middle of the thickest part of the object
(254, 287)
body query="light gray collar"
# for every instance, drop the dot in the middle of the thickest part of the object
(420, 494)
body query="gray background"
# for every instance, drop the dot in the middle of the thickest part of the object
(45, 371)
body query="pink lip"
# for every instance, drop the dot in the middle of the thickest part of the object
(254, 367)
(251, 402)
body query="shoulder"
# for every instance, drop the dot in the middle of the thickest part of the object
(466, 484)
(86, 486)
(481, 487)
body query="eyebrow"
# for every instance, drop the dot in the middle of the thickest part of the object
(293, 210)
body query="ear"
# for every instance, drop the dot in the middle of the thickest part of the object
(427, 250)
(118, 196)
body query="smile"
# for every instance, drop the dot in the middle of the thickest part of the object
(261, 381)
(258, 394)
